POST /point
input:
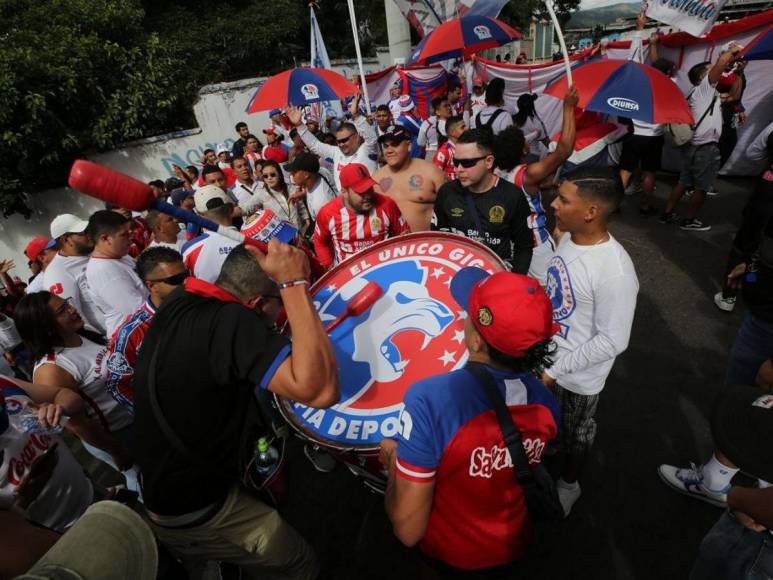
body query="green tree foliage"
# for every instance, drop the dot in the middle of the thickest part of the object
(75, 75)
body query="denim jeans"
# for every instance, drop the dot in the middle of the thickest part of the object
(731, 551)
(753, 345)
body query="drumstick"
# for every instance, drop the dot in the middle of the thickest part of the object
(122, 190)
(359, 303)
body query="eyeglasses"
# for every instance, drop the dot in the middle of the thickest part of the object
(174, 280)
(67, 306)
(344, 140)
(269, 175)
(467, 163)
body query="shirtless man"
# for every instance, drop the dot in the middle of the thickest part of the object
(411, 182)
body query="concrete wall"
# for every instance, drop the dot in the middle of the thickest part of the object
(217, 110)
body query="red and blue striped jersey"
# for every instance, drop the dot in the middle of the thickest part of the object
(122, 354)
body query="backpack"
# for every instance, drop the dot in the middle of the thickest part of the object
(680, 134)
(488, 124)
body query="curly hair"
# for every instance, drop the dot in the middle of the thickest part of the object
(538, 357)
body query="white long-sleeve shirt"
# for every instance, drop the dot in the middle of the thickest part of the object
(758, 150)
(366, 154)
(593, 290)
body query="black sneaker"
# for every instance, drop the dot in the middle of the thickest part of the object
(648, 211)
(669, 218)
(694, 225)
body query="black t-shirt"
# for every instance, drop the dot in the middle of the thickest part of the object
(754, 242)
(502, 213)
(213, 353)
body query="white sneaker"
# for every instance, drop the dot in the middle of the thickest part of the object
(568, 493)
(712, 192)
(726, 304)
(689, 481)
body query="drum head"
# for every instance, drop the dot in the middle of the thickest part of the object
(414, 331)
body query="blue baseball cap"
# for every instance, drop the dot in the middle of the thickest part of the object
(179, 194)
(273, 112)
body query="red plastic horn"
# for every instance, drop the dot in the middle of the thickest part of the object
(359, 304)
(110, 185)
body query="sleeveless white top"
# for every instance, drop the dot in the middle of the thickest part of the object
(84, 364)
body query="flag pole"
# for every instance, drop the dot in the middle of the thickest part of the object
(561, 42)
(353, 18)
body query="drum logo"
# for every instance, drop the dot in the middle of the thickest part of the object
(310, 91)
(482, 32)
(414, 331)
(559, 290)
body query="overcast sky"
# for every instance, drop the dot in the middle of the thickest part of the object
(586, 4)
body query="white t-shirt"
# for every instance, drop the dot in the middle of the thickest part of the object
(710, 129)
(205, 254)
(430, 131)
(246, 196)
(84, 364)
(321, 193)
(37, 284)
(593, 290)
(66, 277)
(116, 288)
(502, 122)
(177, 246)
(9, 336)
(66, 494)
(394, 108)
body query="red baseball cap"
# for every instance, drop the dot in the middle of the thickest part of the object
(36, 246)
(357, 177)
(511, 311)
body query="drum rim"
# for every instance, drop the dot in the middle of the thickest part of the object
(285, 405)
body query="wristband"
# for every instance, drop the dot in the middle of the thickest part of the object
(291, 283)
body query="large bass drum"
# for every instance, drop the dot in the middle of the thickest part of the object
(414, 331)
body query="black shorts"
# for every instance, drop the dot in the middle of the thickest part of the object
(641, 151)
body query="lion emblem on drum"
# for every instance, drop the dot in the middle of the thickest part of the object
(406, 306)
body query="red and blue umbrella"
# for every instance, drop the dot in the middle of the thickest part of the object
(462, 37)
(626, 89)
(300, 87)
(761, 48)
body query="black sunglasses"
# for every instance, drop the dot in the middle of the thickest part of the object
(174, 280)
(467, 163)
(267, 175)
(345, 139)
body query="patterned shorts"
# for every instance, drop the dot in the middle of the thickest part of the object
(578, 426)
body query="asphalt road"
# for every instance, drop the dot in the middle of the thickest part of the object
(627, 524)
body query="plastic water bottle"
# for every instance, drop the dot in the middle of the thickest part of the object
(26, 421)
(266, 458)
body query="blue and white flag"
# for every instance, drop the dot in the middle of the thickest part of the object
(320, 59)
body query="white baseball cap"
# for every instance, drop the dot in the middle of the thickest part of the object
(222, 148)
(406, 103)
(67, 223)
(206, 198)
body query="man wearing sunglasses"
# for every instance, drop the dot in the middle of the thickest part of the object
(356, 141)
(161, 270)
(413, 183)
(483, 207)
